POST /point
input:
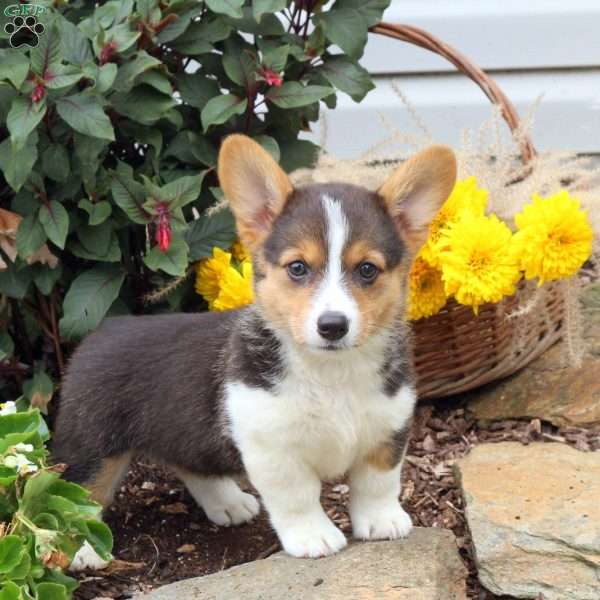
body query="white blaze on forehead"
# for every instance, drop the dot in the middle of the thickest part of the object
(332, 294)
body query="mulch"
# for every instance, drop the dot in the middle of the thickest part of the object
(162, 536)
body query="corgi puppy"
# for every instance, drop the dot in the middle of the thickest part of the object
(310, 383)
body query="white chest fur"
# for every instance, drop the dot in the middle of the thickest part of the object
(328, 412)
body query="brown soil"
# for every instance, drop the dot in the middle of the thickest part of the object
(162, 536)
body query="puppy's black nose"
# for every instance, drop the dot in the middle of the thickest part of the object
(332, 325)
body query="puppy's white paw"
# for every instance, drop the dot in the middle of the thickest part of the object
(376, 522)
(312, 539)
(236, 508)
(87, 558)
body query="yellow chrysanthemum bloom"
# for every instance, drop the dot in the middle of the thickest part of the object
(554, 237)
(426, 293)
(239, 252)
(236, 288)
(477, 262)
(465, 197)
(209, 273)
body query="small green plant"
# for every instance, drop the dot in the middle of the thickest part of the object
(109, 133)
(44, 520)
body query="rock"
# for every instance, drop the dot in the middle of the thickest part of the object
(548, 389)
(424, 566)
(534, 516)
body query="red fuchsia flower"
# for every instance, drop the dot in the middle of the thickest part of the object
(271, 77)
(39, 91)
(107, 51)
(163, 228)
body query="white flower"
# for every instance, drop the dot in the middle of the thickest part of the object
(21, 463)
(8, 408)
(20, 447)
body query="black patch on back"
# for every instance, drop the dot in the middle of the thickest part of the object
(153, 385)
(255, 354)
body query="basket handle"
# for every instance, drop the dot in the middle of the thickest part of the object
(422, 38)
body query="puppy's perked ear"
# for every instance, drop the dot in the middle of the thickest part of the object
(255, 186)
(415, 192)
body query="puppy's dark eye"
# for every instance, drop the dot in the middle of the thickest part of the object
(368, 271)
(297, 270)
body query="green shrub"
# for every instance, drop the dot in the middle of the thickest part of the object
(44, 520)
(109, 133)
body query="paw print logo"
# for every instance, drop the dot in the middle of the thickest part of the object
(24, 32)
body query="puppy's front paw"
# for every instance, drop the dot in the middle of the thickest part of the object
(237, 508)
(87, 558)
(310, 539)
(376, 522)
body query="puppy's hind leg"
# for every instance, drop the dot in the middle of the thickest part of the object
(102, 486)
(220, 497)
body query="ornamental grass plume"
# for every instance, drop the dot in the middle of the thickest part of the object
(554, 237)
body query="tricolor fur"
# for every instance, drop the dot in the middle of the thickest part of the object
(312, 382)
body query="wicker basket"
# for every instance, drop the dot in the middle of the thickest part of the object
(455, 351)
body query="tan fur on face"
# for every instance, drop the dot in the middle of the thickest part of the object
(416, 191)
(255, 185)
(310, 251)
(381, 302)
(284, 303)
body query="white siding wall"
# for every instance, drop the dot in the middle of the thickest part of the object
(533, 48)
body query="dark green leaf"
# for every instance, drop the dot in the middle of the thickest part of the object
(348, 76)
(293, 94)
(98, 211)
(196, 90)
(75, 46)
(345, 27)
(131, 69)
(30, 236)
(297, 154)
(241, 67)
(269, 25)
(129, 194)
(17, 164)
(89, 298)
(23, 118)
(143, 104)
(55, 162)
(182, 191)
(14, 283)
(47, 53)
(173, 262)
(231, 8)
(95, 239)
(7, 346)
(14, 67)
(55, 221)
(103, 77)
(59, 76)
(209, 231)
(371, 10)
(84, 114)
(260, 7)
(191, 148)
(220, 109)
(45, 278)
(173, 30)
(269, 144)
(10, 591)
(276, 58)
(156, 80)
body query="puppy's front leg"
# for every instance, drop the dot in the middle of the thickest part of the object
(290, 491)
(374, 490)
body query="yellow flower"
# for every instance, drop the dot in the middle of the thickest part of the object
(427, 295)
(465, 197)
(209, 273)
(235, 288)
(477, 262)
(554, 237)
(239, 252)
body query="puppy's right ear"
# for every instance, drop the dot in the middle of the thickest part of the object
(255, 186)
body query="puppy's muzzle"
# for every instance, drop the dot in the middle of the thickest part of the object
(333, 325)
